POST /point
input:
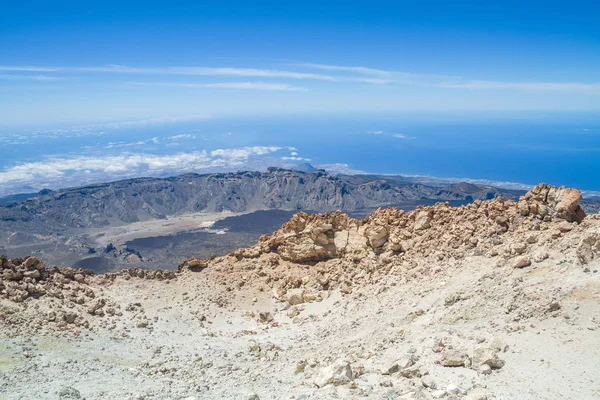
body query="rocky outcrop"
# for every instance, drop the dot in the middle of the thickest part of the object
(439, 228)
(22, 278)
(546, 201)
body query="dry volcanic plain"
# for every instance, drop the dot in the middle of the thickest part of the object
(497, 300)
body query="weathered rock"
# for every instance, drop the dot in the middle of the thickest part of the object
(338, 373)
(301, 366)
(69, 393)
(487, 356)
(565, 227)
(522, 262)
(428, 382)
(410, 372)
(546, 200)
(295, 296)
(377, 236)
(454, 358)
(588, 248)
(484, 369)
(401, 364)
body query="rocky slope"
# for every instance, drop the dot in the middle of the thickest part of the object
(498, 299)
(150, 198)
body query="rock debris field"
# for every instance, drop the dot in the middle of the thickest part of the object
(497, 299)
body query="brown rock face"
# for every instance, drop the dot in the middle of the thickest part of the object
(439, 228)
(551, 201)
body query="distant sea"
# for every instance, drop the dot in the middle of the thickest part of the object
(562, 149)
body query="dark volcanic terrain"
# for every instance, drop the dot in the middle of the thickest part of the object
(73, 226)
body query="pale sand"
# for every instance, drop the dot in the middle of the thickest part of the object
(119, 235)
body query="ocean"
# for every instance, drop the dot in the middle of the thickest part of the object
(562, 149)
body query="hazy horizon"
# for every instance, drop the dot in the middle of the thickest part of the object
(97, 92)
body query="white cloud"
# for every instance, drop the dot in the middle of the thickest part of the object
(182, 136)
(384, 133)
(28, 69)
(340, 169)
(295, 159)
(60, 171)
(229, 85)
(30, 77)
(525, 86)
(340, 73)
(201, 71)
(145, 122)
(206, 71)
(244, 152)
(339, 68)
(113, 145)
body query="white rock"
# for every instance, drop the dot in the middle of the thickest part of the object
(485, 369)
(428, 382)
(522, 262)
(338, 373)
(452, 389)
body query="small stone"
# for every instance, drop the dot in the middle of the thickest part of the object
(487, 356)
(428, 382)
(69, 393)
(452, 389)
(485, 369)
(522, 262)
(254, 347)
(252, 396)
(565, 227)
(301, 366)
(346, 288)
(337, 374)
(293, 312)
(295, 296)
(401, 364)
(541, 256)
(410, 372)
(438, 394)
(454, 358)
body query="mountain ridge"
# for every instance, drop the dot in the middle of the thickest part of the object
(140, 199)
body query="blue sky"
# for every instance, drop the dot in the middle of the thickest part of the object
(80, 62)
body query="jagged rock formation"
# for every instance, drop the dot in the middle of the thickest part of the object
(495, 299)
(440, 228)
(547, 201)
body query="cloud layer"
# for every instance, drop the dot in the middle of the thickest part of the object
(307, 72)
(55, 172)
